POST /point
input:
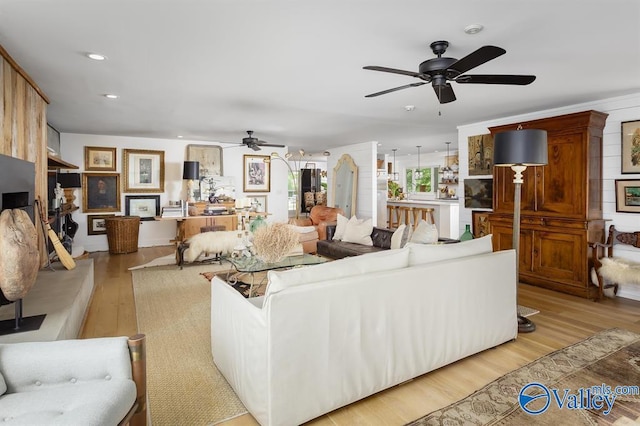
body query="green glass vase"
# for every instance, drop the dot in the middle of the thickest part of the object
(466, 235)
(257, 223)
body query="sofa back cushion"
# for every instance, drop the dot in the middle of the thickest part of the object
(429, 253)
(357, 265)
(3, 384)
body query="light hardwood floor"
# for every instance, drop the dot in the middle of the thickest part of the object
(562, 321)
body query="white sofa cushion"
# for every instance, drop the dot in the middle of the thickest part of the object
(341, 226)
(358, 231)
(371, 262)
(3, 385)
(429, 253)
(103, 402)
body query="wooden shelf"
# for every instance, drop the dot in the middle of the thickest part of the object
(54, 162)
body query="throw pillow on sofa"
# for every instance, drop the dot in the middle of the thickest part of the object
(400, 237)
(385, 260)
(358, 231)
(3, 384)
(429, 253)
(425, 233)
(341, 226)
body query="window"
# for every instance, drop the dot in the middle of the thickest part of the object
(428, 182)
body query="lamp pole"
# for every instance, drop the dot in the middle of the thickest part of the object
(519, 149)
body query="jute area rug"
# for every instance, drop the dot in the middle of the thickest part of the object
(184, 387)
(611, 357)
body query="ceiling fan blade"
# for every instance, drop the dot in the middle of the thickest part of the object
(272, 144)
(445, 93)
(384, 92)
(393, 70)
(255, 147)
(479, 57)
(521, 80)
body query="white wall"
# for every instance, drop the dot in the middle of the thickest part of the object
(364, 155)
(153, 233)
(620, 109)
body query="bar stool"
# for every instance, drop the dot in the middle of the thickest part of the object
(404, 215)
(393, 218)
(422, 213)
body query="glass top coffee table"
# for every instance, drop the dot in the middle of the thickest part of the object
(252, 265)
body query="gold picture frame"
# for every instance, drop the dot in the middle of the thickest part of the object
(100, 192)
(143, 170)
(630, 152)
(100, 159)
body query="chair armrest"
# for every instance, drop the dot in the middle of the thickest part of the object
(322, 229)
(302, 221)
(330, 230)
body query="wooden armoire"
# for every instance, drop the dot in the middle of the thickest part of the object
(561, 207)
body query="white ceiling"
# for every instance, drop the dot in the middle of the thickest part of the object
(291, 70)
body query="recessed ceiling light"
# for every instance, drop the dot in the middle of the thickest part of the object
(180, 136)
(409, 107)
(110, 96)
(473, 28)
(96, 56)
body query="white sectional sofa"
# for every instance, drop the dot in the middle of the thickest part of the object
(325, 336)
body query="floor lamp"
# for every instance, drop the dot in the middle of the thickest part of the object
(518, 149)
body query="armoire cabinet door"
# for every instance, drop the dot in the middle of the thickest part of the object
(561, 191)
(560, 256)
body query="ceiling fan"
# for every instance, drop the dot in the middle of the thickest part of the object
(255, 143)
(440, 71)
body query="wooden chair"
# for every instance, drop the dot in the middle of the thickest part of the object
(393, 217)
(423, 213)
(405, 213)
(600, 251)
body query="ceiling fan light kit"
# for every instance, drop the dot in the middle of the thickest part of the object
(440, 71)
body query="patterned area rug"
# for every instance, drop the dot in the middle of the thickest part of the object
(611, 357)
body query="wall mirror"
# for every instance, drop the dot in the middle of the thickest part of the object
(345, 185)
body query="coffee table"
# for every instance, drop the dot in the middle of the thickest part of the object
(252, 265)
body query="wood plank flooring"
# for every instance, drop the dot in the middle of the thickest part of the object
(562, 321)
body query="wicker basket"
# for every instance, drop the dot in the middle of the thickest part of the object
(122, 234)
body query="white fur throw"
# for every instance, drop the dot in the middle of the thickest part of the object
(621, 271)
(210, 242)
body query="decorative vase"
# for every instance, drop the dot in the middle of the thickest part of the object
(466, 235)
(256, 223)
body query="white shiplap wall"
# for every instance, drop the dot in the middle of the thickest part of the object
(620, 109)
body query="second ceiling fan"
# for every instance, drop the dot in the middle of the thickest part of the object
(440, 71)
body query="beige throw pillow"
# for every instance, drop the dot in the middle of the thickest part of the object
(400, 237)
(358, 231)
(340, 227)
(425, 233)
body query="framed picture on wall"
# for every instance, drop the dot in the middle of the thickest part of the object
(628, 195)
(143, 170)
(100, 192)
(478, 193)
(209, 157)
(630, 153)
(258, 203)
(96, 224)
(145, 206)
(256, 174)
(480, 223)
(99, 159)
(480, 155)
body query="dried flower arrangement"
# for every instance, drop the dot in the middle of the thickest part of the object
(274, 241)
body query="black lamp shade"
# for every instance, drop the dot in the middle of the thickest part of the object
(69, 180)
(191, 170)
(527, 147)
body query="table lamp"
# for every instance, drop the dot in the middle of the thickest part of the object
(518, 149)
(68, 182)
(190, 172)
